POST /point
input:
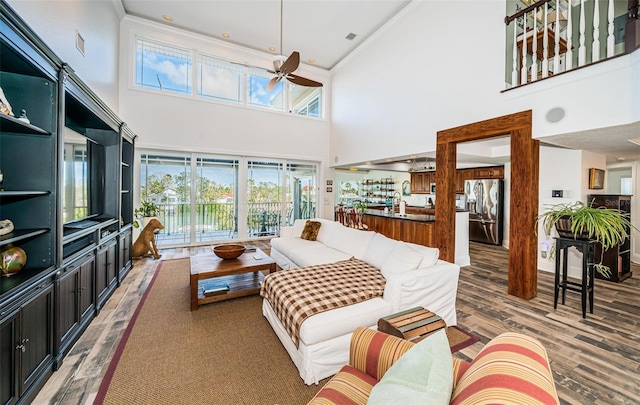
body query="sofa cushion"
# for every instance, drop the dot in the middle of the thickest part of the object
(310, 231)
(287, 246)
(298, 227)
(349, 387)
(511, 368)
(326, 230)
(316, 254)
(401, 259)
(349, 240)
(327, 325)
(423, 375)
(378, 250)
(429, 254)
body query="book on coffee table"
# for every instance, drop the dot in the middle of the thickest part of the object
(213, 287)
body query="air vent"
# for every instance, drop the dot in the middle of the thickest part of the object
(80, 43)
(351, 36)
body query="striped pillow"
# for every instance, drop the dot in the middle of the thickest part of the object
(349, 387)
(511, 369)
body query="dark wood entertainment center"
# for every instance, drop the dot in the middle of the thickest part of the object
(76, 255)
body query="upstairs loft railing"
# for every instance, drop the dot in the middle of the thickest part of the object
(549, 37)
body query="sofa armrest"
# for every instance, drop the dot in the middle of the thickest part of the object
(434, 288)
(511, 368)
(373, 352)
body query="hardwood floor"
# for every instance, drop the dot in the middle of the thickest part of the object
(594, 360)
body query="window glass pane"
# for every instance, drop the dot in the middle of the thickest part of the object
(301, 192)
(264, 198)
(166, 181)
(305, 100)
(162, 67)
(258, 94)
(219, 79)
(216, 195)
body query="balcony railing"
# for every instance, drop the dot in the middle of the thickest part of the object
(554, 36)
(219, 221)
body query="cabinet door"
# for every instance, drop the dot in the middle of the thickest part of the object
(105, 271)
(87, 288)
(36, 339)
(67, 312)
(124, 253)
(494, 172)
(8, 358)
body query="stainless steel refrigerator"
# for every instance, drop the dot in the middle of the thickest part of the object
(485, 205)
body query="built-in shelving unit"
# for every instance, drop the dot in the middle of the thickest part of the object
(618, 258)
(67, 177)
(377, 191)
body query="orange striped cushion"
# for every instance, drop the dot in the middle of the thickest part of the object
(511, 369)
(459, 368)
(348, 387)
(373, 352)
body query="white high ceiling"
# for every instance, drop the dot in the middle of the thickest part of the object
(315, 28)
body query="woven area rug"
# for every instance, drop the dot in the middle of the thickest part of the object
(223, 353)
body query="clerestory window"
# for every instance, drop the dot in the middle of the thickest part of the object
(170, 69)
(163, 68)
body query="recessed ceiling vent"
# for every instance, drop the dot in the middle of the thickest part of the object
(351, 36)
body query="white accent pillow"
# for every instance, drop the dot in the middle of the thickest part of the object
(429, 254)
(378, 250)
(423, 375)
(402, 259)
(349, 240)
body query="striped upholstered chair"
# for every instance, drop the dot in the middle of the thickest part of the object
(511, 369)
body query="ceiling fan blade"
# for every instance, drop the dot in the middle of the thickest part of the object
(302, 81)
(272, 83)
(291, 64)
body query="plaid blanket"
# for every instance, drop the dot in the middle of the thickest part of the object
(297, 294)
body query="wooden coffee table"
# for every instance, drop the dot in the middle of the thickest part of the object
(243, 275)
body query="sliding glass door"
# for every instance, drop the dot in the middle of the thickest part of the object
(216, 199)
(301, 192)
(207, 198)
(166, 181)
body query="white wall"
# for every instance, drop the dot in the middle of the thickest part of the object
(97, 21)
(560, 169)
(178, 123)
(434, 67)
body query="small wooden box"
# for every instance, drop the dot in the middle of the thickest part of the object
(413, 324)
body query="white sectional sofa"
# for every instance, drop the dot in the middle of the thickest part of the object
(414, 277)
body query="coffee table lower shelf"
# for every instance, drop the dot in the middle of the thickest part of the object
(240, 285)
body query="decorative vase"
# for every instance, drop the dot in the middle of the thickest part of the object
(13, 259)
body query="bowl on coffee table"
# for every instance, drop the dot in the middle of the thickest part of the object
(228, 252)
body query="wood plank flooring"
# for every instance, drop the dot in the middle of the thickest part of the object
(594, 360)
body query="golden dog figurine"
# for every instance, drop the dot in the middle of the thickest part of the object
(145, 245)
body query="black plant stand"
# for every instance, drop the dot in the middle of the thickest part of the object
(585, 287)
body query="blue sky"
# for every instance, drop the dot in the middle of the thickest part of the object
(173, 73)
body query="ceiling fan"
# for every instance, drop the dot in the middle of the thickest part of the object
(283, 68)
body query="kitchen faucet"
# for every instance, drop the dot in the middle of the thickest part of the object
(395, 201)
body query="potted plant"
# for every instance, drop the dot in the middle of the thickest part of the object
(578, 220)
(144, 214)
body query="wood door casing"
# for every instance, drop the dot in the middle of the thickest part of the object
(523, 210)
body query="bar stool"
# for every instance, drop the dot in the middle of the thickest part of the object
(585, 287)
